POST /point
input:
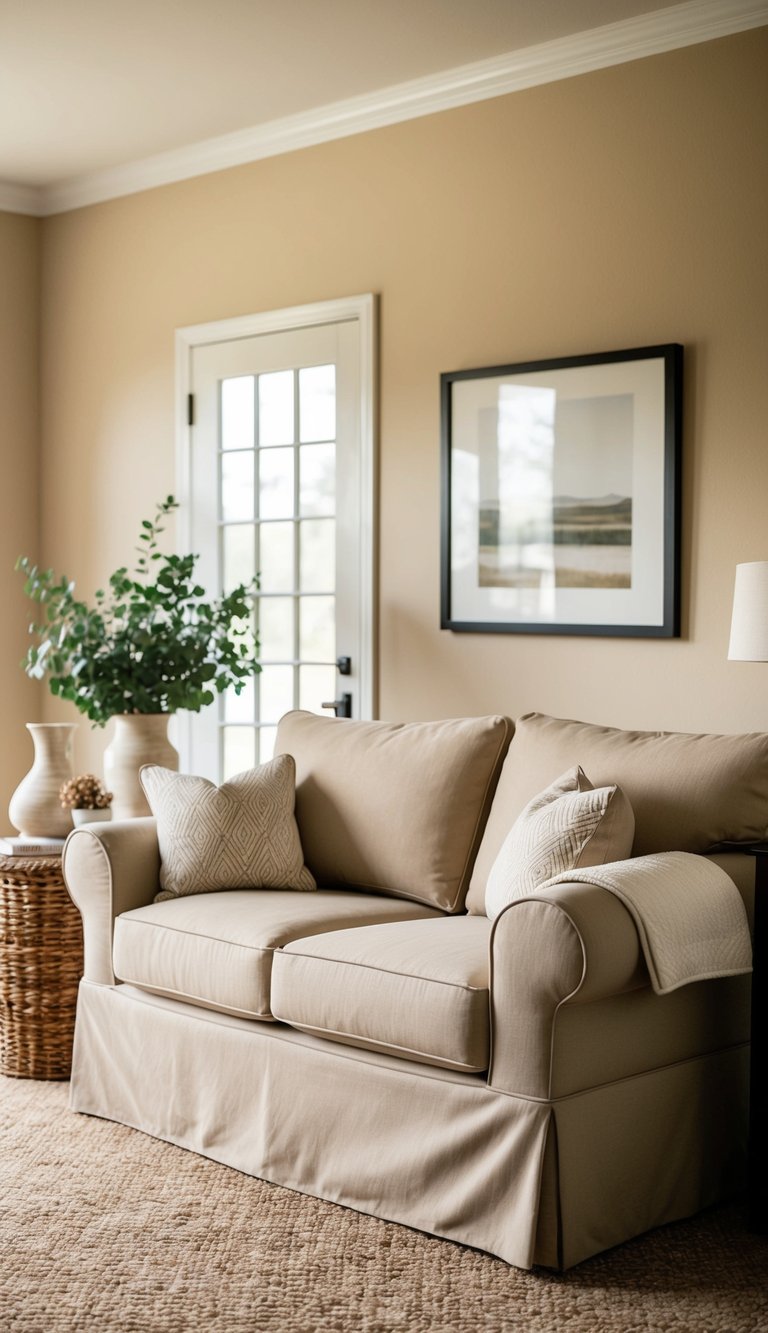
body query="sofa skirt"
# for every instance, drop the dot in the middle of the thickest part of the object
(528, 1181)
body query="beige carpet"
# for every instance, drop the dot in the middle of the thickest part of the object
(103, 1228)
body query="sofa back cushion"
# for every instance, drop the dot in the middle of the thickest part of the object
(395, 808)
(688, 792)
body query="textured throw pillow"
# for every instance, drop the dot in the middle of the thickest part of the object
(241, 835)
(569, 825)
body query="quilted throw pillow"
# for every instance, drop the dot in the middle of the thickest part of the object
(569, 825)
(241, 835)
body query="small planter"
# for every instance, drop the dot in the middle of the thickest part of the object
(90, 817)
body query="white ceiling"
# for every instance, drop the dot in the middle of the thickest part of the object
(87, 86)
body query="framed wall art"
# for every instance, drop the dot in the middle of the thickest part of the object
(561, 495)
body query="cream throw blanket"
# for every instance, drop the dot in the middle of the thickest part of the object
(689, 915)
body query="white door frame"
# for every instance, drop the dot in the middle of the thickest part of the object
(362, 310)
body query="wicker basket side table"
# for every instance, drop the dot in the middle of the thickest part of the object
(41, 962)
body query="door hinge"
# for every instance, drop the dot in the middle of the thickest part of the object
(190, 409)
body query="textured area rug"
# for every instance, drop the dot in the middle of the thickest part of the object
(103, 1228)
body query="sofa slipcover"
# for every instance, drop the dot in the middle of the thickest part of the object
(605, 1108)
(415, 989)
(509, 1162)
(216, 949)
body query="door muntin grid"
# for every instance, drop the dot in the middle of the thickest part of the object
(277, 518)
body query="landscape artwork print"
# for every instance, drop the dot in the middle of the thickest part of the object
(555, 490)
(560, 495)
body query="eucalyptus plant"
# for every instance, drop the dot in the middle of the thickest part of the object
(151, 643)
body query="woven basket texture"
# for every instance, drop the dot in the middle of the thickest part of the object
(41, 962)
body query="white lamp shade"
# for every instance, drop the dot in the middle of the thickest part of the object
(749, 623)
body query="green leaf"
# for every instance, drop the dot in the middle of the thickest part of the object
(145, 645)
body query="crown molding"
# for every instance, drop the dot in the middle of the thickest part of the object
(612, 44)
(28, 199)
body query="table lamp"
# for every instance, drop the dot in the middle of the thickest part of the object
(749, 622)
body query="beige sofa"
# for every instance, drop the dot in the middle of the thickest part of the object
(517, 1086)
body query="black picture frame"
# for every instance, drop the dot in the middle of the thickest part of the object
(560, 495)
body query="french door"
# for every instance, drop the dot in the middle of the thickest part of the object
(276, 480)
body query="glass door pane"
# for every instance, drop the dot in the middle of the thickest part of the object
(277, 483)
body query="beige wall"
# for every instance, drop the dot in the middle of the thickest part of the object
(22, 701)
(617, 209)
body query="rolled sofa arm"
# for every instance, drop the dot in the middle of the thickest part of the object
(109, 869)
(572, 942)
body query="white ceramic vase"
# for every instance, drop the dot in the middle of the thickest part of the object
(80, 817)
(140, 738)
(35, 809)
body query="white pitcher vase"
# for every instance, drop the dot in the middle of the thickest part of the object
(35, 809)
(140, 738)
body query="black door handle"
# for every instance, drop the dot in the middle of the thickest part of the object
(342, 707)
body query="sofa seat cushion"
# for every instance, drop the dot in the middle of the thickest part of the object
(216, 949)
(415, 989)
